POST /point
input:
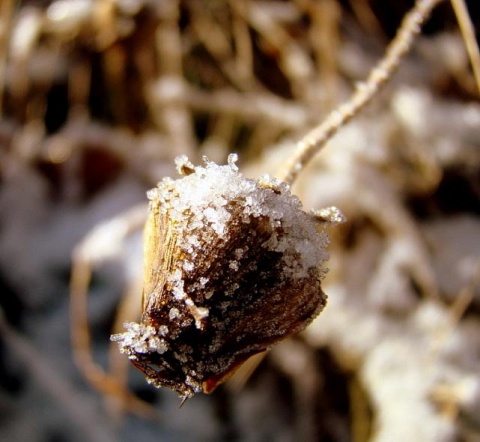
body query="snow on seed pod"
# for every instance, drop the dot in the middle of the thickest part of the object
(232, 266)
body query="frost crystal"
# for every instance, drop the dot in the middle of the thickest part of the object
(203, 199)
(174, 313)
(139, 339)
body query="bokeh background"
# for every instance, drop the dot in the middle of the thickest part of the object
(97, 98)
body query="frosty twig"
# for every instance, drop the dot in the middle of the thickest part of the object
(311, 143)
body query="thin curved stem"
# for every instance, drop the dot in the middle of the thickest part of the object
(316, 139)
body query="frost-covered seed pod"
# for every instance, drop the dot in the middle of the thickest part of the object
(232, 266)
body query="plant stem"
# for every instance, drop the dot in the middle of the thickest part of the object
(316, 139)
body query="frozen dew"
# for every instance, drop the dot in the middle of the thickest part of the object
(174, 313)
(153, 194)
(178, 292)
(157, 344)
(198, 313)
(234, 265)
(202, 196)
(239, 252)
(191, 382)
(231, 160)
(139, 338)
(183, 165)
(188, 266)
(163, 330)
(330, 215)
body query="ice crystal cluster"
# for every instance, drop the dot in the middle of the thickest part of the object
(232, 265)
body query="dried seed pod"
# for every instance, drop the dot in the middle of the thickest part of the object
(233, 265)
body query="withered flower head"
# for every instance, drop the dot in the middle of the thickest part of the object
(232, 266)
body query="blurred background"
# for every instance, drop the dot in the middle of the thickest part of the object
(97, 98)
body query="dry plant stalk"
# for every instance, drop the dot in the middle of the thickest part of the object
(6, 14)
(468, 33)
(80, 280)
(316, 139)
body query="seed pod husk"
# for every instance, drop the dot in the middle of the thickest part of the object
(232, 266)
